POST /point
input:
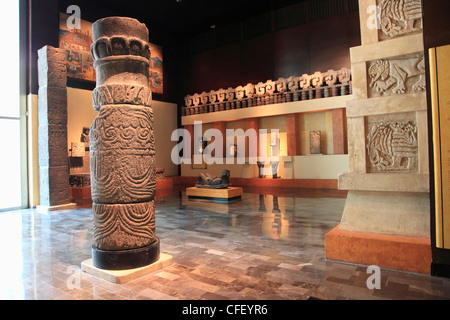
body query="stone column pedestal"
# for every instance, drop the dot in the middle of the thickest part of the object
(386, 219)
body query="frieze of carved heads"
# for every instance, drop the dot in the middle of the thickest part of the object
(294, 88)
(399, 17)
(397, 75)
(392, 146)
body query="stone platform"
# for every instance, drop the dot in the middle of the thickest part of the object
(386, 251)
(123, 276)
(222, 195)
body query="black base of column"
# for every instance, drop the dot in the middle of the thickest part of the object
(125, 259)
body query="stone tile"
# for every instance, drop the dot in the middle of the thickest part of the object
(253, 266)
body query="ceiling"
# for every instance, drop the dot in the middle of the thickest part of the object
(189, 16)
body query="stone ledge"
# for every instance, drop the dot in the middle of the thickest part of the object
(123, 276)
(386, 251)
(395, 182)
(384, 105)
(388, 48)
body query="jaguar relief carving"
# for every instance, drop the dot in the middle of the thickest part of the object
(395, 76)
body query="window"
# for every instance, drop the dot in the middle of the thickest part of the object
(10, 111)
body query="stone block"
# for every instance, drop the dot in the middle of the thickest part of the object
(386, 212)
(122, 177)
(52, 106)
(52, 145)
(54, 185)
(52, 69)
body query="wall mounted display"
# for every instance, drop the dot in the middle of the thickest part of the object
(77, 42)
(156, 69)
(314, 142)
(80, 64)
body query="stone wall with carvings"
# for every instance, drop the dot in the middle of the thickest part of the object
(387, 124)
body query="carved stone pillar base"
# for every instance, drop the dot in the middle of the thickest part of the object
(125, 259)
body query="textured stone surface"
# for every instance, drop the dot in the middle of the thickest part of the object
(52, 67)
(122, 142)
(52, 105)
(399, 17)
(53, 145)
(397, 75)
(120, 93)
(54, 186)
(52, 132)
(127, 226)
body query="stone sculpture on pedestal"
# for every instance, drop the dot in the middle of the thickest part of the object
(122, 152)
(208, 182)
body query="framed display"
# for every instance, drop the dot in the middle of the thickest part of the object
(78, 42)
(156, 69)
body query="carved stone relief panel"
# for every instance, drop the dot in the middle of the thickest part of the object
(398, 75)
(399, 17)
(391, 143)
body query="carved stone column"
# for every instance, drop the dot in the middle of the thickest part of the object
(52, 113)
(122, 151)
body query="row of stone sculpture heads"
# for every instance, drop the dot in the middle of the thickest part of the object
(293, 83)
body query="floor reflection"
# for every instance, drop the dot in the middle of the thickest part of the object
(269, 245)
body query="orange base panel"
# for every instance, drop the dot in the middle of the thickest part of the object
(386, 251)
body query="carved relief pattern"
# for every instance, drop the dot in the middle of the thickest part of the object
(122, 158)
(127, 226)
(399, 17)
(392, 146)
(397, 76)
(121, 94)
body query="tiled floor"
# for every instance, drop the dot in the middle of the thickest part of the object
(263, 247)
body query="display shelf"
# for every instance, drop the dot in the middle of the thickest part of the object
(276, 109)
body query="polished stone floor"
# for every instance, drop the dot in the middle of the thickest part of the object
(268, 246)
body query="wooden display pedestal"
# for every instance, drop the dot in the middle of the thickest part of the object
(386, 251)
(221, 195)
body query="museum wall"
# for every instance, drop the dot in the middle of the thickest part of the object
(44, 28)
(316, 46)
(81, 114)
